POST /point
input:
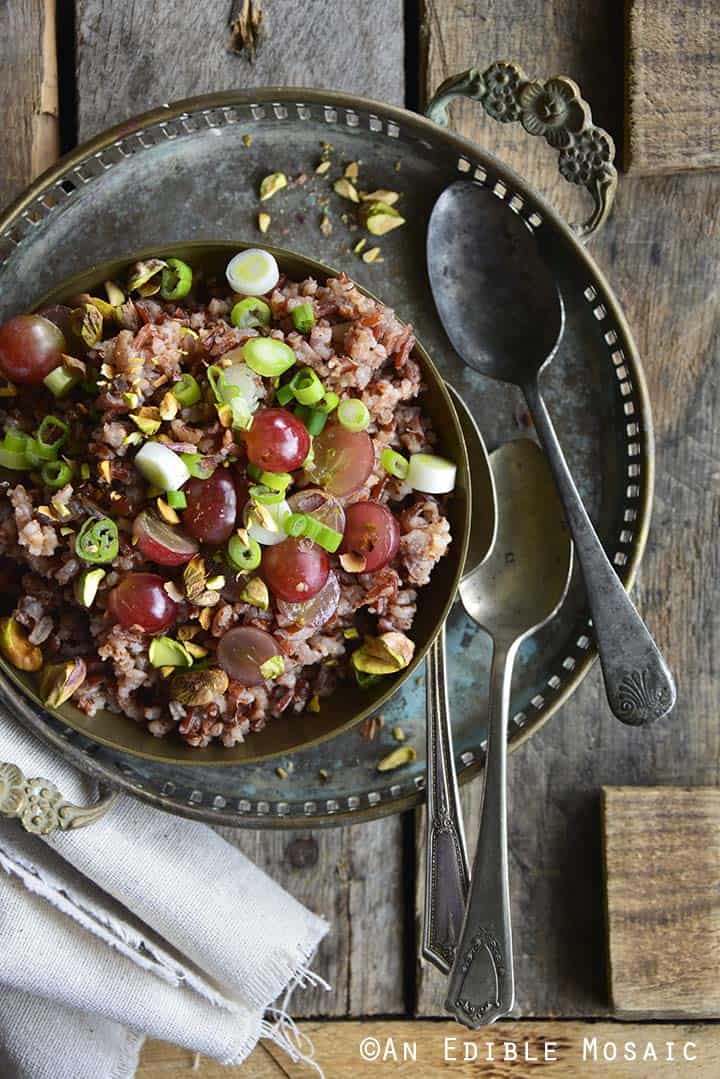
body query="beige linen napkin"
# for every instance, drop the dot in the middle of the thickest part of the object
(140, 924)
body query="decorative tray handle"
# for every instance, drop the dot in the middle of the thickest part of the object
(554, 109)
(40, 807)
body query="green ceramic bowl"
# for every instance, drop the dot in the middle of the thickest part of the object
(348, 705)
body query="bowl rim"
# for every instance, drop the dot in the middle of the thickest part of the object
(193, 758)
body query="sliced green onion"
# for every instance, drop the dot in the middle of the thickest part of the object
(250, 313)
(315, 421)
(176, 500)
(15, 440)
(61, 381)
(56, 474)
(197, 465)
(216, 378)
(13, 459)
(353, 414)
(307, 387)
(176, 280)
(304, 524)
(277, 481)
(284, 394)
(394, 463)
(303, 317)
(46, 446)
(328, 404)
(365, 680)
(268, 357)
(265, 496)
(431, 474)
(244, 556)
(97, 540)
(161, 466)
(187, 390)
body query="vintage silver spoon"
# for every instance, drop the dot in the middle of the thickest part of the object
(446, 862)
(503, 313)
(517, 590)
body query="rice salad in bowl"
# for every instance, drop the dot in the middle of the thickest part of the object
(219, 496)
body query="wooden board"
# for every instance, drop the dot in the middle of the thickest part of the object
(662, 870)
(430, 1050)
(659, 251)
(28, 91)
(131, 57)
(672, 81)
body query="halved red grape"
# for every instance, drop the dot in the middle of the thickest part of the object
(296, 569)
(162, 543)
(30, 348)
(242, 651)
(140, 600)
(371, 530)
(212, 507)
(342, 460)
(313, 613)
(277, 441)
(321, 505)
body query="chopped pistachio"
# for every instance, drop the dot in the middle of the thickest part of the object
(196, 650)
(167, 671)
(400, 756)
(386, 654)
(346, 190)
(264, 517)
(208, 598)
(115, 496)
(67, 531)
(195, 576)
(165, 652)
(167, 512)
(106, 309)
(272, 668)
(225, 415)
(205, 618)
(351, 634)
(314, 704)
(145, 277)
(216, 583)
(86, 586)
(281, 772)
(87, 322)
(85, 471)
(247, 140)
(325, 225)
(186, 633)
(105, 470)
(131, 400)
(273, 183)
(115, 294)
(16, 647)
(173, 591)
(381, 218)
(381, 195)
(398, 734)
(256, 593)
(198, 687)
(359, 245)
(323, 774)
(59, 681)
(372, 255)
(169, 406)
(351, 171)
(323, 167)
(7, 389)
(264, 222)
(145, 424)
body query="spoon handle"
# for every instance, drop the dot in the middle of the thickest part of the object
(482, 984)
(638, 683)
(446, 863)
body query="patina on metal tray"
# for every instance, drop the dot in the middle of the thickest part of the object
(192, 171)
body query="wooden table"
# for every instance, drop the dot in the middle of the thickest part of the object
(660, 253)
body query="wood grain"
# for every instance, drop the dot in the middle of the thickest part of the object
(567, 1050)
(28, 91)
(662, 870)
(672, 85)
(659, 251)
(131, 57)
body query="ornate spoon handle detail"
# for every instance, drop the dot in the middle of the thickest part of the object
(446, 863)
(40, 807)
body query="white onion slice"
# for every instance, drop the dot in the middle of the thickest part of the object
(430, 474)
(253, 272)
(161, 466)
(240, 375)
(261, 534)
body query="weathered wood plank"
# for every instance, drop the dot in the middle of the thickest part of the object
(673, 85)
(507, 1050)
(28, 91)
(659, 251)
(353, 878)
(662, 873)
(131, 57)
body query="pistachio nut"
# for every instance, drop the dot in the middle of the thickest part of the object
(256, 593)
(198, 687)
(165, 652)
(146, 277)
(381, 195)
(386, 654)
(272, 668)
(346, 190)
(59, 681)
(264, 222)
(381, 218)
(16, 647)
(273, 183)
(115, 294)
(87, 322)
(400, 756)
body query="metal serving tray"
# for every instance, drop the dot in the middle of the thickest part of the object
(186, 172)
